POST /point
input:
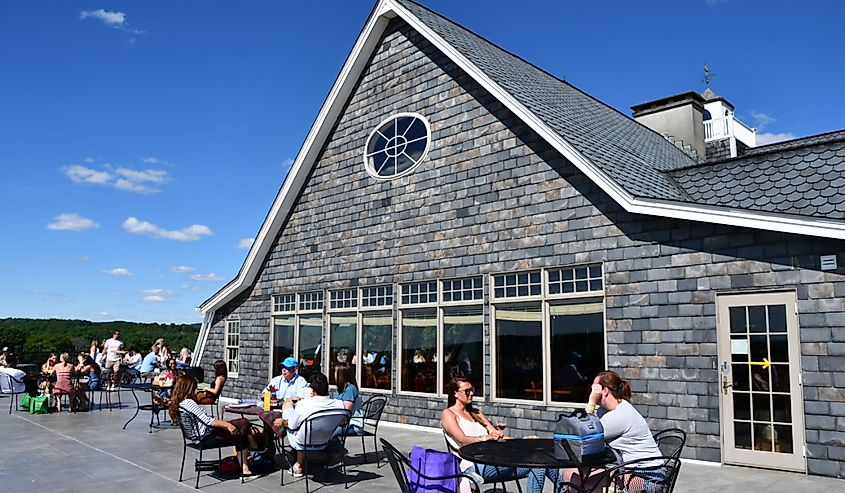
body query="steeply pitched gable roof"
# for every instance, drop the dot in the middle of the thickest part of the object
(631, 163)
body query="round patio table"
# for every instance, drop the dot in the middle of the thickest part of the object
(152, 407)
(531, 452)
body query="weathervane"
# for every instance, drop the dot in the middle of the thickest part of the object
(709, 75)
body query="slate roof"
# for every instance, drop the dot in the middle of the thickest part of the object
(629, 153)
(804, 177)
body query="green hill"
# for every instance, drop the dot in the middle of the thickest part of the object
(32, 337)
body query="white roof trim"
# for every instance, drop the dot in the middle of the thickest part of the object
(352, 69)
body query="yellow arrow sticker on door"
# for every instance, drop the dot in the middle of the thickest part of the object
(765, 363)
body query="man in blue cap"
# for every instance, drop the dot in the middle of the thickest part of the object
(288, 385)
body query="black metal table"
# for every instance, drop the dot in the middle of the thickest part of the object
(531, 452)
(152, 407)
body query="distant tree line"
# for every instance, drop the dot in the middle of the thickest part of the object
(34, 337)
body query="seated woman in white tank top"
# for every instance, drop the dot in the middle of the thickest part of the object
(463, 424)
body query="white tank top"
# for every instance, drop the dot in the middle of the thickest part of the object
(471, 428)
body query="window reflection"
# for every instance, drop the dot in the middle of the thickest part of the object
(310, 343)
(376, 354)
(343, 334)
(419, 351)
(283, 328)
(519, 352)
(577, 342)
(463, 331)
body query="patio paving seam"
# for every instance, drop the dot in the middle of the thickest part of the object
(127, 461)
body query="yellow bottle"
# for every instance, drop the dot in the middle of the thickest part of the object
(266, 400)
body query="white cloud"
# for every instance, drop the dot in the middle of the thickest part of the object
(762, 119)
(158, 292)
(207, 277)
(48, 296)
(191, 233)
(192, 287)
(70, 221)
(122, 177)
(715, 3)
(118, 271)
(182, 268)
(245, 243)
(771, 138)
(108, 17)
(153, 299)
(89, 160)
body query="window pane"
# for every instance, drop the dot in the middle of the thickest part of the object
(376, 332)
(777, 318)
(519, 352)
(757, 318)
(419, 351)
(463, 332)
(737, 316)
(577, 349)
(282, 340)
(342, 337)
(310, 343)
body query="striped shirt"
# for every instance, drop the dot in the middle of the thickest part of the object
(203, 420)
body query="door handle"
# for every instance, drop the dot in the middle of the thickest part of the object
(725, 385)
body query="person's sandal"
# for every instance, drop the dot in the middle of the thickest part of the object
(296, 471)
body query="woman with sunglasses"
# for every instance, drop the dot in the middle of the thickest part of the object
(463, 424)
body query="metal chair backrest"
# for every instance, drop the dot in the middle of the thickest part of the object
(639, 476)
(7, 383)
(399, 464)
(373, 409)
(321, 426)
(671, 442)
(189, 423)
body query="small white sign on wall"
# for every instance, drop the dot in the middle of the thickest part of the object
(739, 346)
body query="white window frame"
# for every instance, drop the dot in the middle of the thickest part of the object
(230, 323)
(440, 308)
(360, 311)
(545, 300)
(297, 314)
(368, 165)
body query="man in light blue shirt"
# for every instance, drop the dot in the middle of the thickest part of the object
(150, 361)
(288, 385)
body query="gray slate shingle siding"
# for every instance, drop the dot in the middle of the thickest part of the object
(803, 180)
(524, 206)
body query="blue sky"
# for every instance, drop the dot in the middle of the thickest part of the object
(142, 143)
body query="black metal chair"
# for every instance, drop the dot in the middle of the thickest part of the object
(318, 429)
(372, 410)
(401, 465)
(190, 424)
(671, 441)
(7, 387)
(108, 391)
(640, 476)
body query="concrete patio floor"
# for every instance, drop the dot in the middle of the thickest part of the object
(85, 451)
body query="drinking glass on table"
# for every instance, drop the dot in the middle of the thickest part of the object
(501, 427)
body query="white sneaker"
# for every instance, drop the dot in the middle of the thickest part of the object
(296, 471)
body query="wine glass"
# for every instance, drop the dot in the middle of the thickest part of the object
(501, 427)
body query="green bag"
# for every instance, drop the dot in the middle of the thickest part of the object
(38, 405)
(24, 403)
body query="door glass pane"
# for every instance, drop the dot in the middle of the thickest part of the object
(740, 374)
(742, 405)
(737, 315)
(783, 439)
(757, 319)
(780, 378)
(282, 340)
(759, 348)
(777, 318)
(463, 333)
(343, 333)
(762, 410)
(419, 351)
(763, 437)
(377, 334)
(519, 352)
(577, 347)
(760, 378)
(739, 348)
(779, 349)
(310, 343)
(742, 434)
(782, 408)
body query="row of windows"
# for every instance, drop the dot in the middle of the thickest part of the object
(547, 339)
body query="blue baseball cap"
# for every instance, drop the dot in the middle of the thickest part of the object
(290, 362)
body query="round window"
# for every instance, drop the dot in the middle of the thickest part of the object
(397, 146)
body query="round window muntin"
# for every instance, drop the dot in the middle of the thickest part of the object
(398, 143)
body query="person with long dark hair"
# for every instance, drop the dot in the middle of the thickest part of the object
(211, 431)
(211, 394)
(464, 424)
(347, 391)
(88, 367)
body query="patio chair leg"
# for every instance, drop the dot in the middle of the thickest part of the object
(182, 469)
(197, 486)
(364, 448)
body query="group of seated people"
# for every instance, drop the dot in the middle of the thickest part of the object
(624, 428)
(301, 398)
